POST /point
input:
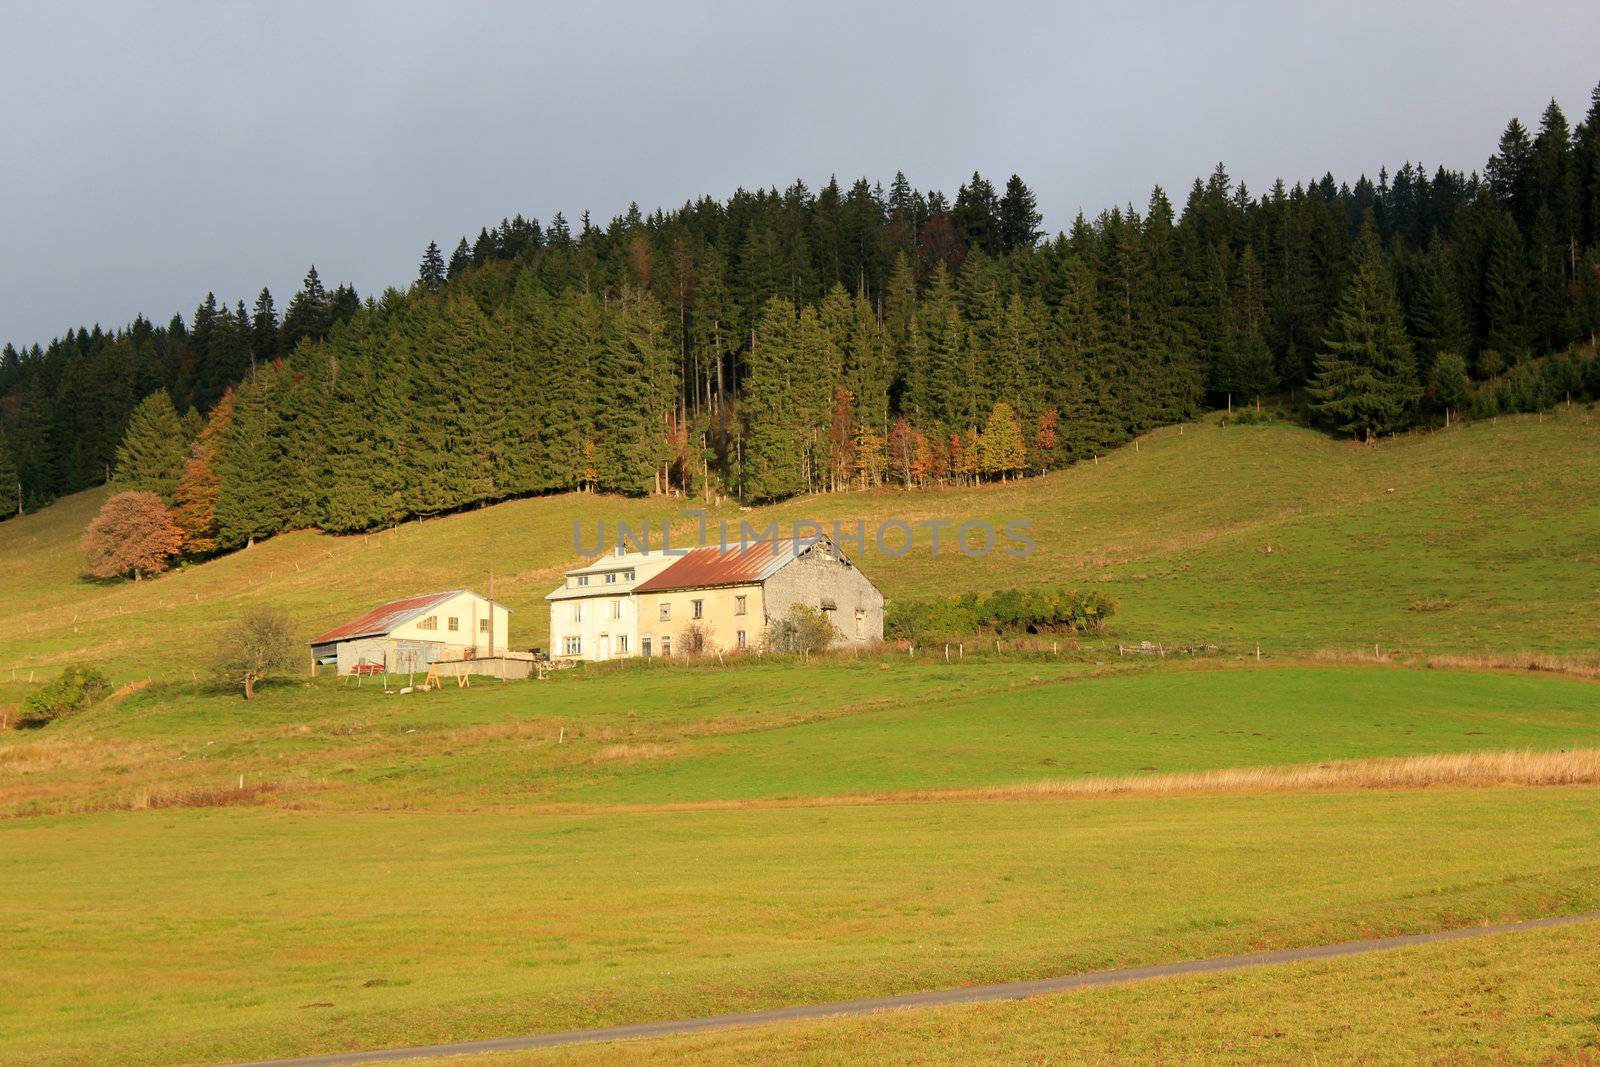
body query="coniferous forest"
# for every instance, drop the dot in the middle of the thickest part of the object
(788, 341)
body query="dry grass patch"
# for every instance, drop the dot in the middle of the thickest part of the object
(1578, 666)
(635, 753)
(1573, 767)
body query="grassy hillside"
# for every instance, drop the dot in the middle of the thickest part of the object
(653, 840)
(1472, 539)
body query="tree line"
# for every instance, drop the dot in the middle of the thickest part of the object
(785, 341)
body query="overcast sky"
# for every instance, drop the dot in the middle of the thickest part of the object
(152, 152)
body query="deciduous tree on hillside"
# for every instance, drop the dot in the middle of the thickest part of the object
(132, 534)
(196, 510)
(258, 646)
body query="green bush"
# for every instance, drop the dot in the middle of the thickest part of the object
(1001, 612)
(803, 629)
(76, 689)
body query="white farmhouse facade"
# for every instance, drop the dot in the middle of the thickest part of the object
(593, 614)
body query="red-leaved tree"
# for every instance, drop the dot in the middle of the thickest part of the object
(133, 534)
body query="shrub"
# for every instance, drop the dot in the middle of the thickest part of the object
(803, 629)
(1003, 611)
(76, 689)
(259, 645)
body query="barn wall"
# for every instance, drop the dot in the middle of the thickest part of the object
(821, 575)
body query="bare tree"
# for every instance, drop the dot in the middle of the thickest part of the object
(259, 645)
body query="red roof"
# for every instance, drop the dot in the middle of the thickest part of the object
(385, 617)
(714, 565)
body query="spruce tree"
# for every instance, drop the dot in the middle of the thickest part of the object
(1366, 381)
(772, 463)
(1508, 298)
(151, 456)
(1019, 216)
(431, 274)
(264, 330)
(10, 480)
(1450, 384)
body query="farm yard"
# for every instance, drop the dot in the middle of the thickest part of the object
(190, 878)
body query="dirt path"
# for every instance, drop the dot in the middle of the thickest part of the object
(931, 998)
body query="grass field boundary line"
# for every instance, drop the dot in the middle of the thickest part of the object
(928, 998)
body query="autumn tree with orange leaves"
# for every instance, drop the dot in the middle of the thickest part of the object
(132, 535)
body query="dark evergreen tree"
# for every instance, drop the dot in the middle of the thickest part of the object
(1366, 381)
(152, 454)
(431, 274)
(1019, 216)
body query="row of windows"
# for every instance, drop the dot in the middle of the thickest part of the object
(614, 608)
(452, 623)
(610, 576)
(697, 608)
(573, 646)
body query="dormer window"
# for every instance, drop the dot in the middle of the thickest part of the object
(583, 579)
(611, 577)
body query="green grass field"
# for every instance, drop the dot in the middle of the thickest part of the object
(655, 841)
(194, 936)
(1522, 998)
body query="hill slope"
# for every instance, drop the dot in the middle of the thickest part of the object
(1474, 539)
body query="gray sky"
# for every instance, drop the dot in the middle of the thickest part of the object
(154, 151)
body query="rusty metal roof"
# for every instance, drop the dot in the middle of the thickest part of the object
(715, 565)
(385, 617)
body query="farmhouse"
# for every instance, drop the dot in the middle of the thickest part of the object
(411, 634)
(715, 599)
(593, 614)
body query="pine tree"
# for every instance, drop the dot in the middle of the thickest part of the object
(1451, 386)
(772, 453)
(309, 315)
(263, 330)
(151, 456)
(1019, 216)
(1507, 295)
(1366, 381)
(431, 274)
(10, 480)
(247, 496)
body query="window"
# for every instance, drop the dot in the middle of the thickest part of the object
(628, 574)
(616, 609)
(483, 626)
(430, 623)
(622, 643)
(861, 623)
(611, 577)
(666, 614)
(583, 579)
(699, 608)
(644, 646)
(738, 639)
(577, 612)
(453, 624)
(740, 605)
(572, 646)
(666, 645)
